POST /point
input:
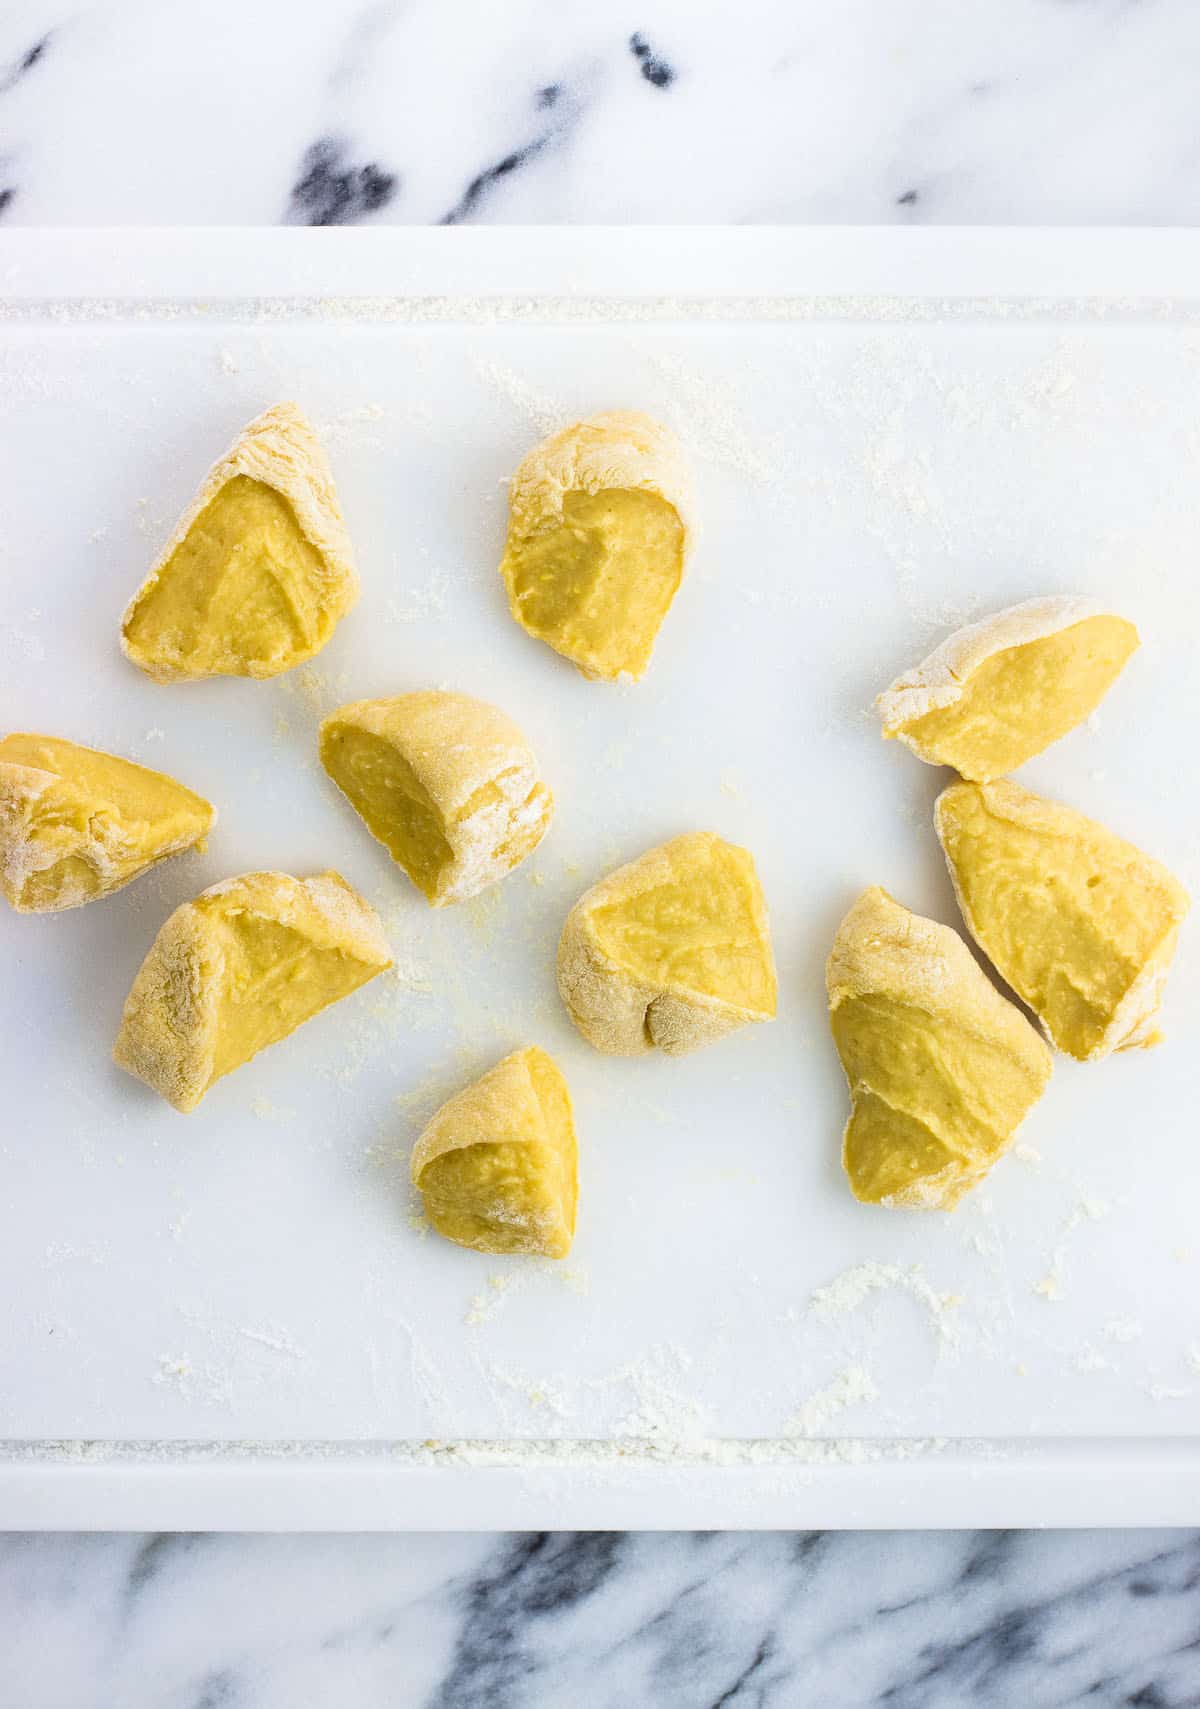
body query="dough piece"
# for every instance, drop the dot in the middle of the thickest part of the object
(496, 1166)
(1081, 924)
(76, 824)
(995, 694)
(447, 784)
(671, 951)
(942, 1069)
(260, 569)
(240, 968)
(599, 529)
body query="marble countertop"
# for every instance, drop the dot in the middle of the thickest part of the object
(410, 111)
(603, 1620)
(415, 111)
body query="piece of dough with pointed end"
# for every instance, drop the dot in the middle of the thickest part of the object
(600, 526)
(995, 694)
(260, 569)
(76, 824)
(446, 783)
(942, 1069)
(1080, 923)
(497, 1165)
(240, 968)
(671, 952)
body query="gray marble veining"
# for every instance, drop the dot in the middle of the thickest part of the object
(603, 1620)
(413, 111)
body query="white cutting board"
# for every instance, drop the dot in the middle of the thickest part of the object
(870, 469)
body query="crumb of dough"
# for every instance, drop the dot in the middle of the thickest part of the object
(598, 535)
(998, 692)
(447, 783)
(672, 951)
(1080, 923)
(497, 1165)
(77, 824)
(942, 1069)
(259, 570)
(239, 968)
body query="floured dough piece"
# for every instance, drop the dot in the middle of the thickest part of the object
(76, 824)
(240, 968)
(942, 1069)
(1081, 924)
(260, 569)
(995, 694)
(496, 1167)
(599, 530)
(672, 951)
(447, 784)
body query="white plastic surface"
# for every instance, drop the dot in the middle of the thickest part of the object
(868, 475)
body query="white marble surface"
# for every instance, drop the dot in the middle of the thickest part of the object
(601, 1620)
(216, 112)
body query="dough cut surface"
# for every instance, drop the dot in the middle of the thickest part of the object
(497, 1165)
(672, 951)
(238, 969)
(1080, 923)
(597, 540)
(259, 571)
(77, 824)
(997, 693)
(446, 783)
(942, 1069)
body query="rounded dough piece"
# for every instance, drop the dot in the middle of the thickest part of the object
(600, 527)
(239, 968)
(942, 1069)
(497, 1165)
(670, 952)
(1000, 691)
(77, 824)
(446, 783)
(1079, 922)
(259, 571)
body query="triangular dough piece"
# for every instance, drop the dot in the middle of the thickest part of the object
(1080, 923)
(446, 783)
(995, 694)
(260, 569)
(497, 1165)
(599, 531)
(942, 1069)
(672, 951)
(240, 968)
(76, 824)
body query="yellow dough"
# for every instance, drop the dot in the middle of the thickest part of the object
(942, 1069)
(1080, 923)
(258, 572)
(496, 1167)
(76, 824)
(599, 530)
(447, 784)
(672, 951)
(240, 968)
(995, 694)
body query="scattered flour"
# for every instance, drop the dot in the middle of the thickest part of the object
(849, 1290)
(540, 410)
(851, 1387)
(1123, 1329)
(1091, 1359)
(193, 1383)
